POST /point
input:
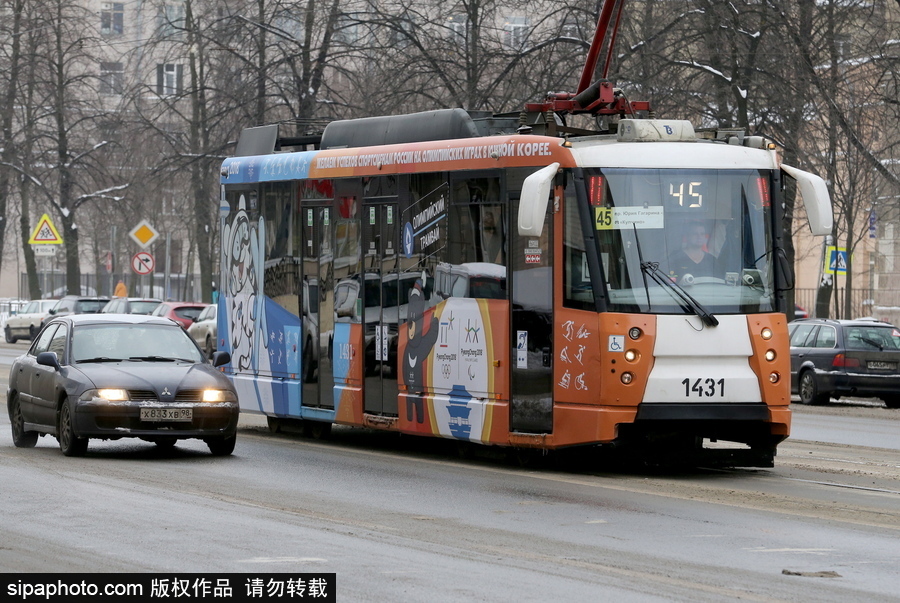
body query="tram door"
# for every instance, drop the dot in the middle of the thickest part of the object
(318, 307)
(531, 407)
(383, 303)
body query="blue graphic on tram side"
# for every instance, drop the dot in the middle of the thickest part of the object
(459, 410)
(265, 168)
(408, 240)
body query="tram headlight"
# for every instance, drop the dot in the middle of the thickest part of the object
(634, 332)
(631, 355)
(774, 377)
(766, 333)
(770, 355)
(627, 378)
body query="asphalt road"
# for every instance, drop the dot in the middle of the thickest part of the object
(401, 518)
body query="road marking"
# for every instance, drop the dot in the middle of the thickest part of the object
(284, 560)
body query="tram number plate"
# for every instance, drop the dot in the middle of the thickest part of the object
(704, 388)
(167, 414)
(882, 366)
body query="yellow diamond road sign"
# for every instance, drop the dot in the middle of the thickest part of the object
(143, 234)
(45, 233)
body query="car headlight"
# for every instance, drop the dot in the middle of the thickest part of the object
(217, 395)
(110, 394)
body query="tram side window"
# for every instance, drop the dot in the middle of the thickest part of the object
(578, 292)
(241, 257)
(426, 212)
(282, 265)
(475, 263)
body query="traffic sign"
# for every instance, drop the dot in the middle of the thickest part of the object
(45, 233)
(142, 263)
(143, 234)
(835, 260)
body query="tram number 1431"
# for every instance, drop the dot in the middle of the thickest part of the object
(704, 388)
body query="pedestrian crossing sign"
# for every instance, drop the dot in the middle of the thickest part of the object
(835, 260)
(45, 233)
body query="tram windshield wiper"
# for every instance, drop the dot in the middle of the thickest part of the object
(652, 270)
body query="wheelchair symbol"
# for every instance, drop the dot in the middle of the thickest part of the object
(616, 343)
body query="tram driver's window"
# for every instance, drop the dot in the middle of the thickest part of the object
(578, 292)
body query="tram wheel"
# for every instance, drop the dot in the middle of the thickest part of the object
(317, 430)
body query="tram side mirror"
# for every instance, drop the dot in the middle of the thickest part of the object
(534, 200)
(785, 274)
(815, 198)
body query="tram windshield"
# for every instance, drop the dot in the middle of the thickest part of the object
(708, 232)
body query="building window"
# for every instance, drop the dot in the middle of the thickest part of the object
(169, 79)
(346, 31)
(112, 78)
(569, 27)
(515, 32)
(458, 26)
(402, 30)
(170, 20)
(112, 18)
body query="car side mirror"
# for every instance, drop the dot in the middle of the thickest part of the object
(220, 358)
(48, 359)
(51, 311)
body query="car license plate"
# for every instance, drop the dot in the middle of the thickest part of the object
(882, 366)
(167, 414)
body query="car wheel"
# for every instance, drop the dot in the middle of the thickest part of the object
(222, 446)
(165, 443)
(69, 443)
(892, 401)
(9, 336)
(21, 438)
(809, 390)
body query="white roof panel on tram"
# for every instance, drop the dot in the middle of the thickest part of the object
(670, 155)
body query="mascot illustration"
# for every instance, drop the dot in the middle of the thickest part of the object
(420, 342)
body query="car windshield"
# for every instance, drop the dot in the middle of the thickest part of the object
(189, 312)
(112, 342)
(90, 306)
(873, 338)
(31, 308)
(143, 307)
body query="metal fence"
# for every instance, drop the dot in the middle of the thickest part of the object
(180, 287)
(883, 304)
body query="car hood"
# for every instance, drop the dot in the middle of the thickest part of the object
(163, 378)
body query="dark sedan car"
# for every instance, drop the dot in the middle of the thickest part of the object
(834, 358)
(113, 376)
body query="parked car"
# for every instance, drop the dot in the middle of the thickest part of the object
(834, 358)
(113, 376)
(27, 322)
(800, 312)
(76, 304)
(131, 305)
(184, 313)
(204, 330)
